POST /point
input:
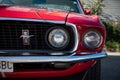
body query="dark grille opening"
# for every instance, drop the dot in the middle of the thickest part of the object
(38, 67)
(10, 32)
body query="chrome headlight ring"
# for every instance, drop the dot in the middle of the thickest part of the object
(57, 37)
(92, 39)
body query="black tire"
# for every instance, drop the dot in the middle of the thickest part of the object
(94, 73)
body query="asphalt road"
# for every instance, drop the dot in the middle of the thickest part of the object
(111, 67)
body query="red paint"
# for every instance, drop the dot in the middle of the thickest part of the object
(0, 75)
(32, 13)
(79, 67)
(47, 14)
(82, 22)
(81, 30)
(82, 19)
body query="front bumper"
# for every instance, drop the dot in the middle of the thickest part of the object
(30, 59)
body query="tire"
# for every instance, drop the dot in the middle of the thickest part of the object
(94, 73)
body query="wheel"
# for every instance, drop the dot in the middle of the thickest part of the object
(94, 73)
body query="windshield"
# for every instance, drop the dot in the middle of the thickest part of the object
(66, 5)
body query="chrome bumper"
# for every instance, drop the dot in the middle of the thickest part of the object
(30, 59)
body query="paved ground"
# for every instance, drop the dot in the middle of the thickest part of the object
(111, 67)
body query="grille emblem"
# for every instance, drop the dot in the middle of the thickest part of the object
(26, 37)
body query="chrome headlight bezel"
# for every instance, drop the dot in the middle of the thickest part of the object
(92, 39)
(57, 37)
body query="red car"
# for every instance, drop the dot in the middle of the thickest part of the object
(53, 39)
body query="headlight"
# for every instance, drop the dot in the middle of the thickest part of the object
(92, 39)
(58, 37)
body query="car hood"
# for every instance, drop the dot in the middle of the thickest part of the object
(82, 19)
(46, 14)
(32, 13)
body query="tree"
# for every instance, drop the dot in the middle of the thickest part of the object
(94, 5)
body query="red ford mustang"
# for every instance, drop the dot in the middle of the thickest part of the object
(50, 39)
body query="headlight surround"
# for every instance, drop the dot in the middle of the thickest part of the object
(92, 39)
(57, 37)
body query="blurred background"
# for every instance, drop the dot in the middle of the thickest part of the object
(109, 13)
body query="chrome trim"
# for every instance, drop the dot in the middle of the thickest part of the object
(75, 34)
(34, 52)
(26, 36)
(32, 20)
(95, 31)
(50, 21)
(29, 59)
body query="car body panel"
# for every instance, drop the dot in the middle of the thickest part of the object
(32, 13)
(79, 67)
(81, 21)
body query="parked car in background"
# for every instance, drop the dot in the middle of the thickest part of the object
(50, 39)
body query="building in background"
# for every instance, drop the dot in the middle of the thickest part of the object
(111, 10)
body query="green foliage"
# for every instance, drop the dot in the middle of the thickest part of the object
(112, 46)
(113, 31)
(94, 5)
(113, 36)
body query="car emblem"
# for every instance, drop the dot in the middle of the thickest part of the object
(26, 37)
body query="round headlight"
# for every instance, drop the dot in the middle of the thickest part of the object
(92, 39)
(58, 38)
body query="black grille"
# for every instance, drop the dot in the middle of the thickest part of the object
(10, 32)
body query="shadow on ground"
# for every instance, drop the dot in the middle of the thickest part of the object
(110, 68)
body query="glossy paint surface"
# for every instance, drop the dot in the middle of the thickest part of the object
(32, 13)
(83, 23)
(79, 67)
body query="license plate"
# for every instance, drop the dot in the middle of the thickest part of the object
(6, 66)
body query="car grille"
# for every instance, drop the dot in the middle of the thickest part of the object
(10, 32)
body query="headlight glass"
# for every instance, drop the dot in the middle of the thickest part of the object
(58, 38)
(92, 39)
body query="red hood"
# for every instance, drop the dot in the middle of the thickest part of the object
(83, 19)
(46, 14)
(32, 13)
